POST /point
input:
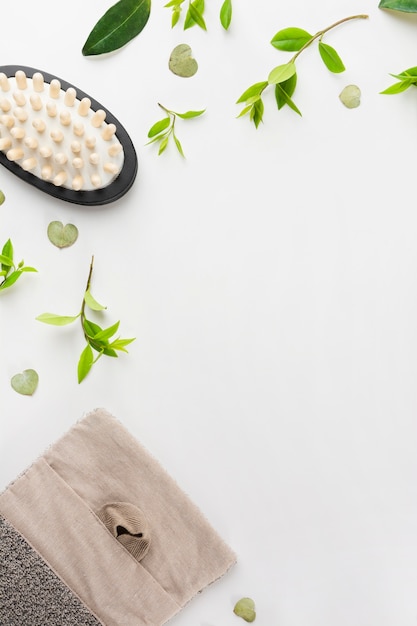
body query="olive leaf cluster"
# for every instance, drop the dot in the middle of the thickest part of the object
(98, 340)
(195, 13)
(164, 129)
(405, 79)
(284, 77)
(9, 271)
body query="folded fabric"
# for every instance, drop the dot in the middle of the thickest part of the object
(96, 532)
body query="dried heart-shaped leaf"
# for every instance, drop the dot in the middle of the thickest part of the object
(245, 608)
(121, 23)
(181, 61)
(62, 236)
(350, 96)
(26, 382)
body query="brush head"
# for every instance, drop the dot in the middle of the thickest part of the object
(59, 139)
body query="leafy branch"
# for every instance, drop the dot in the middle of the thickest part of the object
(9, 272)
(405, 80)
(195, 13)
(164, 129)
(97, 338)
(284, 77)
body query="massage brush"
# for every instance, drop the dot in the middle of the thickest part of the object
(62, 141)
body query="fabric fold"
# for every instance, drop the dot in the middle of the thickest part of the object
(114, 526)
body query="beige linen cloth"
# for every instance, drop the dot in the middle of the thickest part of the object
(114, 526)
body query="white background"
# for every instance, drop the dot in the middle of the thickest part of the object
(270, 281)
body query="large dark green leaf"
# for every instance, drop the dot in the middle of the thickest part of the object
(408, 6)
(121, 23)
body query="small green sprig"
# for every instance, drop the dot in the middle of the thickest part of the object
(9, 272)
(405, 79)
(195, 13)
(97, 338)
(284, 77)
(163, 129)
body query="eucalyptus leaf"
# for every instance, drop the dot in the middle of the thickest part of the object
(85, 363)
(57, 320)
(62, 236)
(119, 25)
(290, 39)
(350, 96)
(407, 6)
(181, 61)
(331, 59)
(226, 14)
(25, 382)
(245, 608)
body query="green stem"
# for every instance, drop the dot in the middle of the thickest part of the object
(320, 33)
(82, 312)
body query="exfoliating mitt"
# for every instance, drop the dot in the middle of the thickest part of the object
(96, 532)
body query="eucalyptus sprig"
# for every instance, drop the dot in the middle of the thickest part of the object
(405, 79)
(284, 77)
(164, 129)
(9, 272)
(98, 339)
(195, 13)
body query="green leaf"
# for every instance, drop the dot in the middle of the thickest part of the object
(11, 279)
(159, 126)
(196, 15)
(174, 3)
(281, 73)
(57, 320)
(91, 328)
(331, 59)
(282, 98)
(6, 261)
(119, 344)
(27, 268)
(253, 90)
(226, 14)
(163, 145)
(412, 71)
(398, 87)
(189, 21)
(2, 197)
(257, 112)
(179, 146)
(176, 13)
(121, 23)
(408, 6)
(284, 89)
(7, 252)
(107, 332)
(85, 363)
(189, 114)
(92, 302)
(245, 110)
(290, 39)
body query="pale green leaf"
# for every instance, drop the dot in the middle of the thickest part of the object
(57, 320)
(92, 302)
(253, 90)
(159, 126)
(398, 87)
(281, 73)
(189, 114)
